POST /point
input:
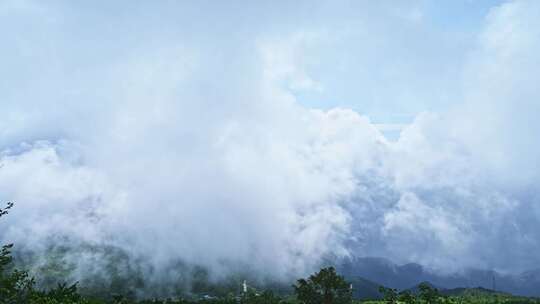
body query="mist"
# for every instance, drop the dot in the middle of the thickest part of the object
(185, 132)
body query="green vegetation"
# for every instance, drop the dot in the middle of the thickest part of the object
(323, 287)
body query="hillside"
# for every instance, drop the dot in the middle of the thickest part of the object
(401, 277)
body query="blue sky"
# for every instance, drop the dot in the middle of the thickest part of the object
(389, 73)
(379, 59)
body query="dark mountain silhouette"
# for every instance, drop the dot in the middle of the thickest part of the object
(401, 277)
(477, 291)
(365, 289)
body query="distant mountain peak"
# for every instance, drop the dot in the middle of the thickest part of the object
(401, 277)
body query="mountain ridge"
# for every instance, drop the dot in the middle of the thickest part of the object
(401, 277)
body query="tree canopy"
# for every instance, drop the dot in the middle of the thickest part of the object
(323, 287)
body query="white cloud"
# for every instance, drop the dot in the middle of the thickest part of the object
(183, 144)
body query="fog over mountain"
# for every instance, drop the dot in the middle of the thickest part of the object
(235, 135)
(380, 271)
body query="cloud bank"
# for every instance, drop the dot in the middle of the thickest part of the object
(177, 134)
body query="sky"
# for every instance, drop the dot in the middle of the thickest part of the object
(272, 135)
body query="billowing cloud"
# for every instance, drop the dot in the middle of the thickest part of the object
(178, 139)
